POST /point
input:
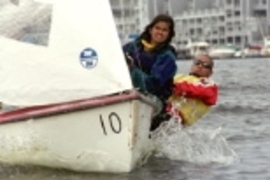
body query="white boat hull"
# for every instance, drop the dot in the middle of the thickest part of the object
(222, 53)
(86, 136)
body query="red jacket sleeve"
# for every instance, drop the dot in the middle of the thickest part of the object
(205, 92)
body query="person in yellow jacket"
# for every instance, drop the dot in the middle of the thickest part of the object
(193, 94)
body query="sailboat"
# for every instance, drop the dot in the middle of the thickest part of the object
(63, 70)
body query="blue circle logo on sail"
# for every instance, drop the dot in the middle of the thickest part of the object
(89, 58)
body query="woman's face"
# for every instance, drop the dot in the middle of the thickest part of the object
(159, 32)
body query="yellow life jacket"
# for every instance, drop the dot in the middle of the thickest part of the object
(190, 109)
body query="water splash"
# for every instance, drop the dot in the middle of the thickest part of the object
(196, 145)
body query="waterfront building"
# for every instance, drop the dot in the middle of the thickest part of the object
(130, 17)
(219, 22)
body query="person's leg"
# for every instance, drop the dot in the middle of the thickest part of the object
(160, 118)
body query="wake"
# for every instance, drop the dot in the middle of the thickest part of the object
(196, 145)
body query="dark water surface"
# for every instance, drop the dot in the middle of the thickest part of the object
(243, 114)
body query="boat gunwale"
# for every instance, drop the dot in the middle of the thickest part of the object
(35, 112)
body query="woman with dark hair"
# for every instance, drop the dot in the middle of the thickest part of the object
(151, 58)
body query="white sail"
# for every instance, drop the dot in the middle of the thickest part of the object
(82, 57)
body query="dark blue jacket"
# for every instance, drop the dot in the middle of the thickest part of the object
(155, 68)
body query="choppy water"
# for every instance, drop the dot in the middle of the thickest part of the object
(240, 122)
